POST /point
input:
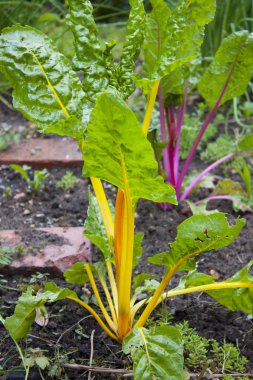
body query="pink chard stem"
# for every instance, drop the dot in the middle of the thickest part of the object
(180, 120)
(202, 131)
(211, 167)
(163, 132)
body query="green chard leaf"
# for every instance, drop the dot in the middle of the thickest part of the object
(114, 137)
(76, 274)
(132, 46)
(94, 228)
(21, 321)
(89, 56)
(157, 353)
(235, 58)
(239, 298)
(174, 38)
(45, 88)
(197, 235)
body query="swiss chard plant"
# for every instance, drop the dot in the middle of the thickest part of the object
(94, 111)
(226, 78)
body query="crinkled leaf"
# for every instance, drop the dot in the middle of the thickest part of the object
(197, 235)
(89, 56)
(132, 45)
(42, 361)
(194, 278)
(178, 37)
(149, 286)
(94, 227)
(235, 58)
(140, 278)
(157, 353)
(155, 34)
(240, 298)
(76, 274)
(20, 322)
(116, 149)
(45, 88)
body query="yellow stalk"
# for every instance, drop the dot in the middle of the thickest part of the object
(153, 301)
(136, 307)
(100, 303)
(125, 278)
(149, 110)
(96, 316)
(109, 228)
(205, 288)
(113, 286)
(109, 300)
(118, 231)
(104, 208)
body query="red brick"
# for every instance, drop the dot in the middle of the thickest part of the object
(52, 258)
(43, 153)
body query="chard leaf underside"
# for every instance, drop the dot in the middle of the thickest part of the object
(114, 136)
(45, 88)
(234, 57)
(20, 322)
(157, 353)
(197, 235)
(240, 298)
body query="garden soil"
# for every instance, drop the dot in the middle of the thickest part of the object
(71, 335)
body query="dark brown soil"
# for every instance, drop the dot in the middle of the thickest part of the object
(67, 337)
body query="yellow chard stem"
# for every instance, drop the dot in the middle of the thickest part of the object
(95, 315)
(149, 110)
(109, 300)
(154, 299)
(109, 228)
(100, 303)
(205, 288)
(104, 207)
(126, 264)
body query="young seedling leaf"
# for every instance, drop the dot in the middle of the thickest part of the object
(94, 228)
(197, 235)
(20, 322)
(89, 56)
(76, 274)
(157, 353)
(114, 136)
(234, 58)
(45, 88)
(239, 298)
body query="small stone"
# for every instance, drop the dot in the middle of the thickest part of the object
(40, 216)
(26, 212)
(19, 196)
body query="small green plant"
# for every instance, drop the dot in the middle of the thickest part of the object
(206, 353)
(68, 181)
(8, 192)
(6, 253)
(115, 149)
(34, 184)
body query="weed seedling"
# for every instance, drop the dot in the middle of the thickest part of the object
(34, 184)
